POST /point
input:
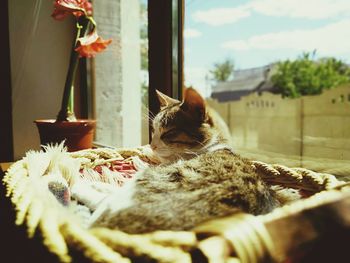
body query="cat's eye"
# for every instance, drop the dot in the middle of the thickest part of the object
(176, 136)
(169, 134)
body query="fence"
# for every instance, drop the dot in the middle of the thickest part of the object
(311, 131)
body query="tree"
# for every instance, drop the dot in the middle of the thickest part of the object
(144, 51)
(144, 36)
(306, 76)
(222, 71)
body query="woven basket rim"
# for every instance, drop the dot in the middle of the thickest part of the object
(105, 245)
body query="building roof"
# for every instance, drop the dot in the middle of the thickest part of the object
(244, 82)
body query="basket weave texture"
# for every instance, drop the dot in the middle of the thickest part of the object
(238, 238)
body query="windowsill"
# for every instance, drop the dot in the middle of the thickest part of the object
(5, 166)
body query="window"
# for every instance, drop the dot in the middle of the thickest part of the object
(277, 71)
(235, 54)
(118, 78)
(123, 75)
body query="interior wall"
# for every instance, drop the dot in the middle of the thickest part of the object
(39, 51)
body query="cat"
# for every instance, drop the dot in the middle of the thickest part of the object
(199, 178)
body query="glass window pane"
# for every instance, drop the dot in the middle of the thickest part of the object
(278, 72)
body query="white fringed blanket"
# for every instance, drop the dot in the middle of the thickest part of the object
(39, 187)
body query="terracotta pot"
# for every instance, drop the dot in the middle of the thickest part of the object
(78, 134)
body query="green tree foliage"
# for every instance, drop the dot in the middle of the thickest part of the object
(306, 76)
(222, 71)
(144, 50)
(144, 36)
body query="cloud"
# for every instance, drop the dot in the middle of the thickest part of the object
(221, 16)
(330, 39)
(192, 33)
(310, 9)
(195, 77)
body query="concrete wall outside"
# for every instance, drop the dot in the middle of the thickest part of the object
(117, 74)
(131, 70)
(312, 131)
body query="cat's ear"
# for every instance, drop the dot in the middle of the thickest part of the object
(165, 100)
(193, 104)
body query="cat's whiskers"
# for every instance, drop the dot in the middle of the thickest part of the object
(147, 114)
(147, 117)
(180, 157)
(187, 151)
(204, 146)
(151, 115)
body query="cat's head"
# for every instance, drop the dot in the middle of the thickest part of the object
(184, 129)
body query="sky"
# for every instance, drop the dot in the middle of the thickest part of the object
(254, 33)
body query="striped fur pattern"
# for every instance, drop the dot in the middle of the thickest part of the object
(200, 177)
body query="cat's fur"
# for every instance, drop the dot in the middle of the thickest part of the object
(200, 178)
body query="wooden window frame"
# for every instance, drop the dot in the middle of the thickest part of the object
(6, 133)
(161, 24)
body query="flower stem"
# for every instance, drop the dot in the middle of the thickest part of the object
(65, 114)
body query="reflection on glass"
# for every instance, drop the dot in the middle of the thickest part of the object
(278, 73)
(176, 48)
(144, 70)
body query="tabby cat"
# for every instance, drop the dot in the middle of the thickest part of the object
(200, 177)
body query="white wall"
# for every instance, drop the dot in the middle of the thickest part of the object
(40, 48)
(117, 74)
(131, 68)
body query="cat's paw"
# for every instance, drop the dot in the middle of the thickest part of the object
(114, 202)
(86, 194)
(144, 153)
(104, 188)
(100, 214)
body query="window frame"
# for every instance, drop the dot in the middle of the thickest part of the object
(6, 132)
(161, 25)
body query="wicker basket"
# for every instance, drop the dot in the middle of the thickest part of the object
(239, 238)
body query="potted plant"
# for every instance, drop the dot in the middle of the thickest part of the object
(78, 134)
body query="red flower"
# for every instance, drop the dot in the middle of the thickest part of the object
(63, 8)
(91, 44)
